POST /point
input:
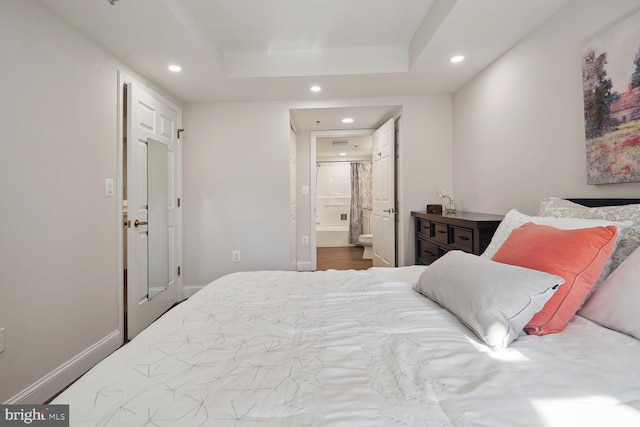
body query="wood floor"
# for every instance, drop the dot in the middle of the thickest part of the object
(343, 258)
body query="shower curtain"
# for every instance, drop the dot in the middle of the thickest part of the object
(360, 198)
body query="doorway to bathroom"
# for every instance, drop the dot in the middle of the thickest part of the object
(314, 123)
(343, 182)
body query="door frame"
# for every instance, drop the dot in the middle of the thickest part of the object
(124, 78)
(293, 202)
(313, 183)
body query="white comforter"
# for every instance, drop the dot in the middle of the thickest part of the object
(353, 349)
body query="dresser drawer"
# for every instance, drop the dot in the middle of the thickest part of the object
(441, 232)
(436, 234)
(426, 252)
(424, 227)
(462, 238)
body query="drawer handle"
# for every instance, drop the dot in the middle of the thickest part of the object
(429, 253)
(442, 232)
(463, 238)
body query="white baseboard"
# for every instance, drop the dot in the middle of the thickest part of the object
(56, 380)
(188, 291)
(304, 266)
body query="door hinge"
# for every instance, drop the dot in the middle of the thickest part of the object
(179, 132)
(178, 270)
(178, 201)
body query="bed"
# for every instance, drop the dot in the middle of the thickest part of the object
(370, 348)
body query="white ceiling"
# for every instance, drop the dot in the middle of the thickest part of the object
(240, 50)
(312, 119)
(345, 148)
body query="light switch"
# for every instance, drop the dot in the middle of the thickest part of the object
(305, 189)
(108, 187)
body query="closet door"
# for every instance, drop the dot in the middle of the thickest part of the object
(293, 232)
(153, 234)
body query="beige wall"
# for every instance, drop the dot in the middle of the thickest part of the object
(518, 127)
(58, 293)
(236, 188)
(59, 279)
(236, 179)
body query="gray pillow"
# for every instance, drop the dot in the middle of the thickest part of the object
(514, 219)
(494, 300)
(561, 208)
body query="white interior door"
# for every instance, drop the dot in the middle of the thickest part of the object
(383, 191)
(150, 117)
(293, 237)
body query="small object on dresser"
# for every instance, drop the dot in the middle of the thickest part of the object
(435, 209)
(450, 206)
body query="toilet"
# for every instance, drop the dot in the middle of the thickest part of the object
(366, 240)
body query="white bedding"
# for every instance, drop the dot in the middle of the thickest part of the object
(354, 349)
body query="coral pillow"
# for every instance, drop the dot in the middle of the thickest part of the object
(578, 256)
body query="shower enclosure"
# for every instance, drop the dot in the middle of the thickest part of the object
(333, 198)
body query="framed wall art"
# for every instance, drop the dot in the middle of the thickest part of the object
(611, 90)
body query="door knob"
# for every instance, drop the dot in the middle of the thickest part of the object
(137, 223)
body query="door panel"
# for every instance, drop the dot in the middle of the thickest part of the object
(293, 237)
(149, 118)
(157, 217)
(174, 170)
(384, 236)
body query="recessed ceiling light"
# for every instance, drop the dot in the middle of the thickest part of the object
(347, 120)
(343, 154)
(456, 59)
(316, 88)
(175, 68)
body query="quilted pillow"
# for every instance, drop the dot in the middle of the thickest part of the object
(514, 219)
(615, 303)
(494, 300)
(578, 256)
(555, 207)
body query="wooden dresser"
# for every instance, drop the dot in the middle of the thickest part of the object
(438, 233)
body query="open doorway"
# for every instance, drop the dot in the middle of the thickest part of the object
(343, 182)
(314, 123)
(330, 136)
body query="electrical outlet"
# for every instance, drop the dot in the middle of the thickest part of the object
(305, 240)
(236, 256)
(1, 340)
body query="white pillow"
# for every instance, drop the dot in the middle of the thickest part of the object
(514, 219)
(616, 304)
(553, 206)
(494, 300)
